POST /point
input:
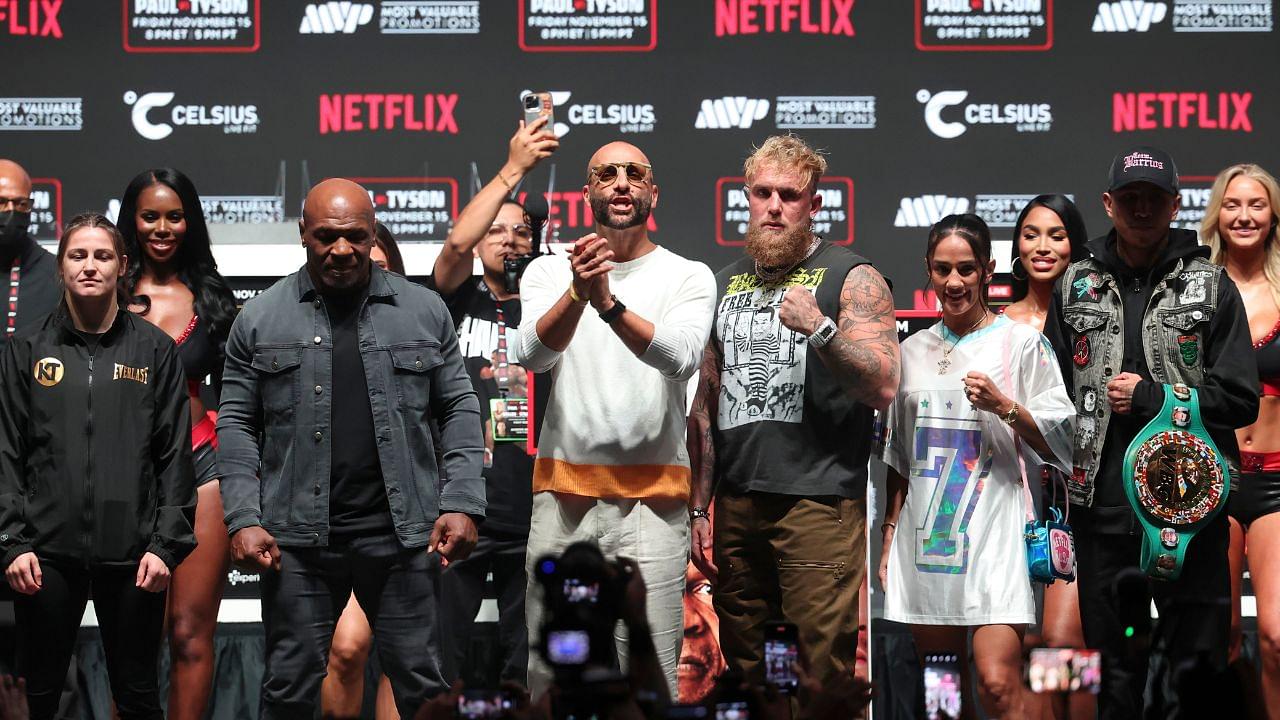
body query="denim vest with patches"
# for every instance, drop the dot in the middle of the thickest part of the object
(1174, 327)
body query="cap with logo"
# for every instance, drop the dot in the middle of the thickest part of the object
(1143, 164)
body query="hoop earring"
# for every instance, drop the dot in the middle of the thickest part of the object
(1017, 264)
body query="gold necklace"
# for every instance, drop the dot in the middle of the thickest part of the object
(944, 365)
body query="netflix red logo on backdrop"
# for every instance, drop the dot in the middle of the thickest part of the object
(46, 209)
(588, 25)
(32, 18)
(1228, 111)
(191, 26)
(413, 208)
(834, 221)
(388, 112)
(805, 17)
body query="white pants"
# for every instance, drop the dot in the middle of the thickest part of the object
(654, 533)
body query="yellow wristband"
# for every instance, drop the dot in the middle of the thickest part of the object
(574, 296)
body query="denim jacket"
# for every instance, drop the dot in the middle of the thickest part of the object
(1192, 331)
(275, 448)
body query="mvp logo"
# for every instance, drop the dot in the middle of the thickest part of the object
(335, 17)
(731, 112)
(1128, 16)
(926, 210)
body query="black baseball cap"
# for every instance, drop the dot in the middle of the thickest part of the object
(1143, 164)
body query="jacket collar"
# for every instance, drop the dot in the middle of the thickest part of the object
(61, 318)
(380, 284)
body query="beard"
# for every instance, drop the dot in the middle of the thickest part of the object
(778, 250)
(640, 209)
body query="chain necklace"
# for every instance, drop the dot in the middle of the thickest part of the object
(944, 365)
(772, 276)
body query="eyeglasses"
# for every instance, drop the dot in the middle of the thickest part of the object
(606, 173)
(764, 192)
(520, 231)
(20, 204)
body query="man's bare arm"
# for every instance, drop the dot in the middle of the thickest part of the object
(864, 355)
(702, 451)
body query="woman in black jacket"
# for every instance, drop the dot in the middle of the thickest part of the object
(96, 484)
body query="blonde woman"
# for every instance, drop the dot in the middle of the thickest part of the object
(1240, 229)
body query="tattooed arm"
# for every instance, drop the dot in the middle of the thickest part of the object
(863, 355)
(702, 456)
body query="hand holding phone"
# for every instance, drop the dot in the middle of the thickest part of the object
(539, 105)
(781, 653)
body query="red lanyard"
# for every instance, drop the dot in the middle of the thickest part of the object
(12, 320)
(500, 354)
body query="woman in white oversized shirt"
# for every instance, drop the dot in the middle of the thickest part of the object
(977, 391)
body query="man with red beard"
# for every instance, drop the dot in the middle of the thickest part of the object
(611, 466)
(781, 422)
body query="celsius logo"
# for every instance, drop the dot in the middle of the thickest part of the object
(1181, 110)
(1024, 117)
(1128, 16)
(335, 17)
(37, 18)
(810, 17)
(731, 112)
(625, 117)
(233, 119)
(926, 210)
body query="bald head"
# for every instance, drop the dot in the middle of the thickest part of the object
(617, 152)
(338, 232)
(337, 195)
(14, 181)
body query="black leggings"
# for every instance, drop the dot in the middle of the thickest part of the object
(131, 621)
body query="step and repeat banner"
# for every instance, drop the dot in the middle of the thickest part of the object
(925, 107)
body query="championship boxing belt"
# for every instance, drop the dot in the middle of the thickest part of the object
(1176, 481)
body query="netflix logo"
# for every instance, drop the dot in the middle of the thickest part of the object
(806, 17)
(374, 112)
(33, 18)
(1181, 110)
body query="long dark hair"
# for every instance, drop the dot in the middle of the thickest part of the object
(1071, 219)
(386, 242)
(214, 302)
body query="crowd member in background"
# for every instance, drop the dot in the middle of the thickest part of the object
(36, 291)
(173, 283)
(980, 395)
(804, 350)
(1146, 311)
(611, 463)
(1240, 230)
(342, 694)
(1048, 236)
(328, 476)
(486, 311)
(96, 485)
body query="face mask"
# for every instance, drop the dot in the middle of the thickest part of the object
(13, 229)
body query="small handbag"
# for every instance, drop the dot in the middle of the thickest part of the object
(1051, 548)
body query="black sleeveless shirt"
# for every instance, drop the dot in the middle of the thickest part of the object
(784, 424)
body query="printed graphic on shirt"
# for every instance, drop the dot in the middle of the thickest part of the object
(48, 371)
(1193, 287)
(124, 372)
(483, 339)
(948, 450)
(764, 361)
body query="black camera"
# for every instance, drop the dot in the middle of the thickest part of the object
(512, 269)
(583, 593)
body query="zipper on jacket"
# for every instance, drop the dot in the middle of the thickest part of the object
(88, 476)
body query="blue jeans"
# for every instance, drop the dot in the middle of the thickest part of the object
(397, 588)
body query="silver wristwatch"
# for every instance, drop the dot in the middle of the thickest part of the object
(823, 335)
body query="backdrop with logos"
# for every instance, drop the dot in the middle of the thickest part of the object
(925, 107)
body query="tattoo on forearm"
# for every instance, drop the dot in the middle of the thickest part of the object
(864, 355)
(700, 417)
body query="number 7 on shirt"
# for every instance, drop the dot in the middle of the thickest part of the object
(950, 454)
